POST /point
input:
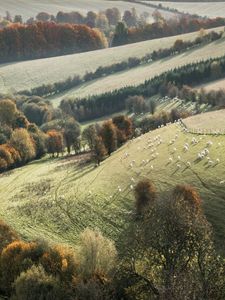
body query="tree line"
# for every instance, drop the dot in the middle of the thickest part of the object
(132, 62)
(100, 105)
(166, 252)
(162, 28)
(21, 42)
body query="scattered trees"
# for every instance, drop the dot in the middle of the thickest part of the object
(109, 136)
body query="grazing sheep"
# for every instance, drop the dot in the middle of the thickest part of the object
(152, 167)
(188, 163)
(174, 149)
(217, 160)
(178, 166)
(178, 157)
(210, 162)
(170, 159)
(222, 181)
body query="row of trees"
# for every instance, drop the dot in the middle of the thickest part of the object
(166, 252)
(18, 42)
(162, 28)
(115, 101)
(132, 62)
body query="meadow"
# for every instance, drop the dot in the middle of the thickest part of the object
(55, 199)
(18, 76)
(31, 8)
(138, 75)
(214, 85)
(211, 9)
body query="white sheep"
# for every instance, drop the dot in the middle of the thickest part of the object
(217, 160)
(188, 163)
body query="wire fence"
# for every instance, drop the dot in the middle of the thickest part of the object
(202, 131)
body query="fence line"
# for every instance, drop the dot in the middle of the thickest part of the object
(200, 131)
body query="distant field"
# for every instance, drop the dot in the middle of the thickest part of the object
(30, 8)
(57, 198)
(140, 74)
(214, 85)
(214, 120)
(211, 9)
(18, 76)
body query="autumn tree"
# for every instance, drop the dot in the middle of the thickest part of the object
(43, 16)
(124, 128)
(23, 143)
(113, 15)
(7, 235)
(99, 150)
(71, 133)
(54, 142)
(109, 136)
(136, 104)
(8, 112)
(90, 134)
(145, 195)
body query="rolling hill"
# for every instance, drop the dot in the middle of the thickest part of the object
(138, 75)
(210, 9)
(18, 76)
(57, 198)
(30, 8)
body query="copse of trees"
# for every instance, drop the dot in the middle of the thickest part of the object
(45, 39)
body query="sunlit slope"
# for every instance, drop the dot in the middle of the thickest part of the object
(18, 76)
(30, 8)
(56, 199)
(138, 75)
(210, 9)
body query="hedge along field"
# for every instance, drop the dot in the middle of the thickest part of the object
(136, 76)
(58, 198)
(30, 8)
(211, 9)
(15, 77)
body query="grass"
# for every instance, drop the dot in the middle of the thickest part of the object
(30, 8)
(138, 75)
(18, 76)
(214, 85)
(58, 198)
(211, 9)
(213, 120)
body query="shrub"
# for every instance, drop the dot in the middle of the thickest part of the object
(36, 284)
(145, 195)
(97, 254)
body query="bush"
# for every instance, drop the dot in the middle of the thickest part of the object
(36, 284)
(97, 254)
(145, 195)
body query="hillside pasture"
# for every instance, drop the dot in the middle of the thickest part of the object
(136, 76)
(30, 8)
(18, 76)
(211, 9)
(58, 198)
(214, 85)
(214, 120)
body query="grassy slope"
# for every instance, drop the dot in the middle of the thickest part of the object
(28, 74)
(140, 74)
(211, 9)
(214, 85)
(83, 193)
(30, 8)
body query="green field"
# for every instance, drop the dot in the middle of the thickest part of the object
(57, 198)
(30, 8)
(138, 75)
(18, 76)
(211, 9)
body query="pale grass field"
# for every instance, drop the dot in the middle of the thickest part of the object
(214, 120)
(18, 76)
(134, 77)
(214, 85)
(30, 8)
(77, 196)
(211, 9)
